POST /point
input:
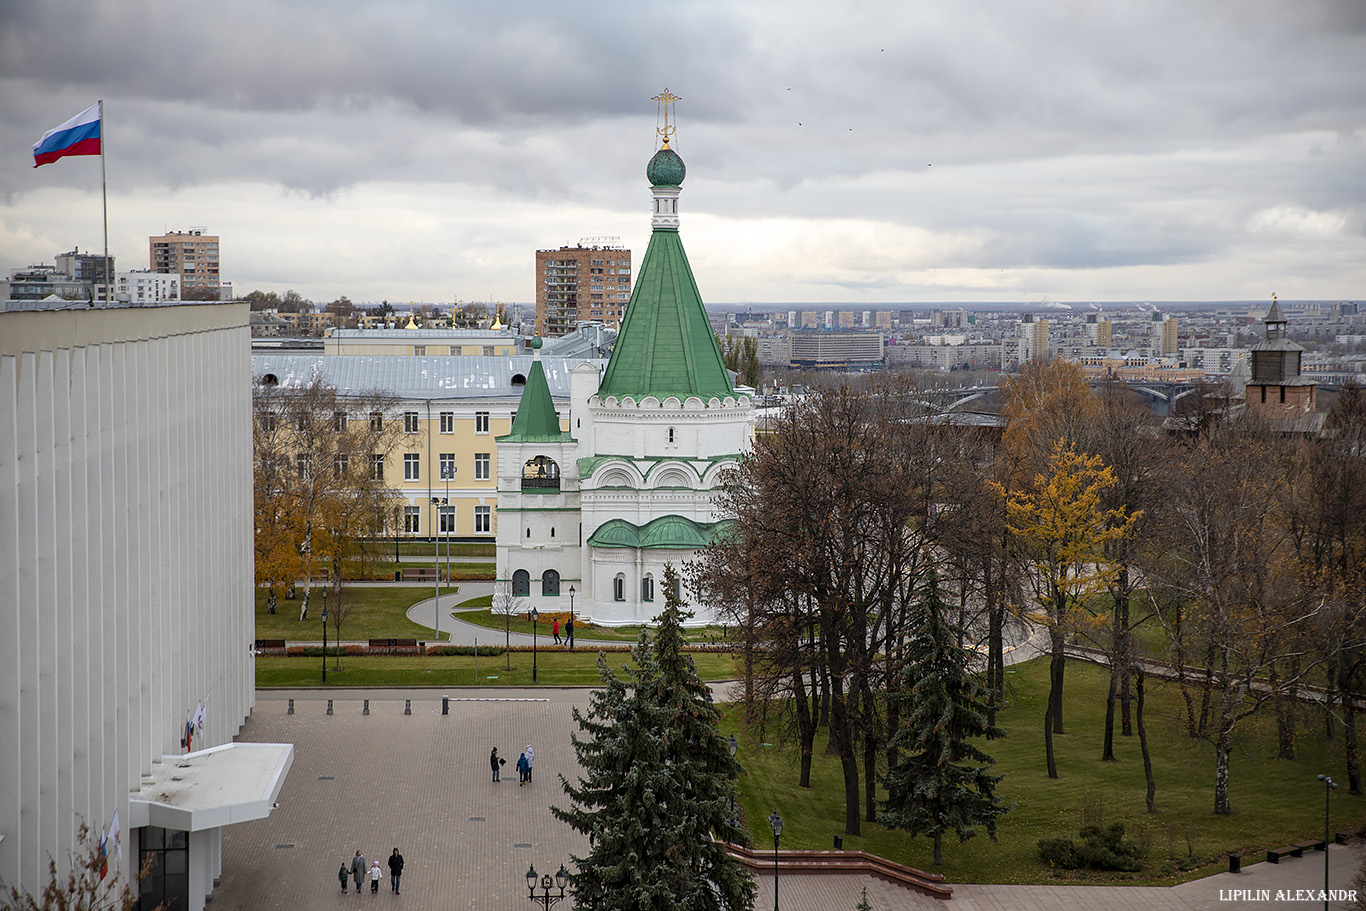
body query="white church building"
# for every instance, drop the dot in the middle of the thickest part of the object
(593, 504)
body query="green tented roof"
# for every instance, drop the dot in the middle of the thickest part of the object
(665, 346)
(671, 532)
(536, 421)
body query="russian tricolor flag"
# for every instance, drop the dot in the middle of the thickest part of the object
(78, 136)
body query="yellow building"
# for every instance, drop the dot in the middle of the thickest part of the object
(451, 408)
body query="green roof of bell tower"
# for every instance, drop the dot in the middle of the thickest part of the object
(536, 420)
(666, 345)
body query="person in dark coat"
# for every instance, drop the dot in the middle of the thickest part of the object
(358, 868)
(521, 770)
(395, 870)
(495, 762)
(569, 631)
(341, 875)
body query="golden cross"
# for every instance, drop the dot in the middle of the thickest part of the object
(665, 99)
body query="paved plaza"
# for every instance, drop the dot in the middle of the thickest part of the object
(421, 783)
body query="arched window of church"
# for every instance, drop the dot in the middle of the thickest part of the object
(528, 533)
(550, 582)
(521, 582)
(647, 588)
(552, 531)
(619, 587)
(678, 589)
(671, 434)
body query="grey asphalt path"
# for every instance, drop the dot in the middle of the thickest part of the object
(421, 782)
(458, 632)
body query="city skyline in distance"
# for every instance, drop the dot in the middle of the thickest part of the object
(881, 156)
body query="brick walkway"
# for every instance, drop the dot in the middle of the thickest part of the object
(421, 783)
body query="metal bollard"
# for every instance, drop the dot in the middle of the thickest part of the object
(407, 706)
(839, 843)
(445, 705)
(329, 706)
(366, 710)
(291, 707)
(1235, 863)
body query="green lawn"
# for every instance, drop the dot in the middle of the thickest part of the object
(554, 668)
(1274, 802)
(582, 629)
(372, 612)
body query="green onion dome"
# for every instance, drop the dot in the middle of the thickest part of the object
(666, 169)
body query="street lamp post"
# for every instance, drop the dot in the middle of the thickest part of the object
(324, 638)
(571, 602)
(545, 898)
(447, 474)
(436, 539)
(534, 614)
(1329, 786)
(776, 822)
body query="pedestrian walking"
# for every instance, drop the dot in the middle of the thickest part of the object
(530, 761)
(495, 762)
(521, 770)
(395, 871)
(358, 869)
(341, 875)
(569, 631)
(375, 874)
(555, 630)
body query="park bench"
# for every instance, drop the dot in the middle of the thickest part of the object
(270, 645)
(1314, 844)
(1273, 855)
(393, 646)
(420, 574)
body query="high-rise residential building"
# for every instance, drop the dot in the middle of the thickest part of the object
(193, 255)
(586, 282)
(1031, 342)
(1169, 335)
(1099, 331)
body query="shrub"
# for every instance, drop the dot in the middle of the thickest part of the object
(1099, 849)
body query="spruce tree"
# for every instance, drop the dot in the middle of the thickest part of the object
(943, 783)
(656, 787)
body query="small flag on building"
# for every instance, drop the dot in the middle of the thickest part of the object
(104, 856)
(81, 135)
(115, 835)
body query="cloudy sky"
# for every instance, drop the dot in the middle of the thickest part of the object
(869, 152)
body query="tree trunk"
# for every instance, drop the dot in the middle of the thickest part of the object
(1048, 740)
(1349, 740)
(1143, 742)
(1107, 752)
(1126, 654)
(870, 750)
(938, 849)
(1285, 717)
(806, 731)
(1056, 666)
(272, 599)
(840, 737)
(1222, 748)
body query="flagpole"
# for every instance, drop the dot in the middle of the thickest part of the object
(104, 206)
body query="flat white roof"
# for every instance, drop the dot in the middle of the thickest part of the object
(235, 782)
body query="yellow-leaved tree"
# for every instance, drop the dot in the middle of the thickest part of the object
(1062, 533)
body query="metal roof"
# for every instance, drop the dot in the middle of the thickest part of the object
(418, 376)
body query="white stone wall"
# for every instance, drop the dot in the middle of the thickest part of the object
(125, 559)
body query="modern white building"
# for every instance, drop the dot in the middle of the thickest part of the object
(632, 483)
(126, 590)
